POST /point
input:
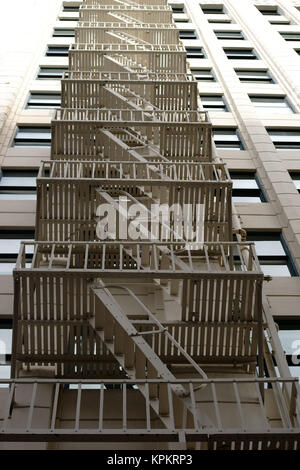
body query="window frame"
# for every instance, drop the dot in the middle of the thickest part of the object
(57, 51)
(32, 141)
(43, 100)
(285, 144)
(212, 75)
(230, 50)
(213, 10)
(288, 33)
(64, 33)
(276, 259)
(195, 50)
(269, 78)
(211, 107)
(237, 38)
(50, 77)
(182, 32)
(22, 190)
(257, 192)
(235, 144)
(295, 176)
(272, 99)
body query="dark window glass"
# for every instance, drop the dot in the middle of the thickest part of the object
(272, 104)
(273, 254)
(178, 9)
(57, 51)
(291, 36)
(53, 73)
(268, 11)
(33, 136)
(203, 75)
(5, 348)
(213, 11)
(296, 178)
(68, 8)
(18, 184)
(195, 53)
(227, 138)
(246, 187)
(254, 76)
(285, 139)
(230, 35)
(44, 100)
(213, 103)
(187, 34)
(240, 54)
(289, 335)
(63, 33)
(10, 246)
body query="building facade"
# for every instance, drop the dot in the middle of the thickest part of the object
(150, 259)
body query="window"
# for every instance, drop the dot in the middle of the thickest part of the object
(182, 20)
(177, 9)
(72, 18)
(268, 10)
(51, 72)
(57, 51)
(10, 246)
(216, 10)
(285, 139)
(227, 138)
(62, 33)
(5, 348)
(195, 53)
(280, 20)
(44, 100)
(18, 184)
(240, 54)
(266, 104)
(254, 76)
(296, 178)
(289, 333)
(229, 35)
(272, 253)
(246, 187)
(32, 137)
(220, 20)
(187, 34)
(291, 36)
(70, 8)
(203, 75)
(213, 102)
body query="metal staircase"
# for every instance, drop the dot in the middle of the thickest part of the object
(162, 314)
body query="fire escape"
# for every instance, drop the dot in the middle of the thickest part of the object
(172, 326)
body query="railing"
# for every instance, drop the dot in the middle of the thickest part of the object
(92, 32)
(125, 2)
(109, 7)
(225, 413)
(126, 48)
(72, 192)
(172, 134)
(167, 173)
(128, 15)
(128, 77)
(117, 25)
(152, 259)
(154, 58)
(132, 117)
(101, 92)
